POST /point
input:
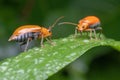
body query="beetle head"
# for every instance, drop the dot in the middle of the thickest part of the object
(82, 26)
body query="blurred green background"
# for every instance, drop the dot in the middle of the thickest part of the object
(100, 63)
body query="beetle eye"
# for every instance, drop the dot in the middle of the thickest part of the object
(49, 31)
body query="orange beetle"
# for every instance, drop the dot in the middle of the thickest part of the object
(89, 23)
(25, 34)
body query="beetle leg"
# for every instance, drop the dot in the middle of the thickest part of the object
(89, 30)
(42, 38)
(99, 29)
(21, 44)
(87, 33)
(28, 40)
(91, 34)
(81, 33)
(36, 35)
(95, 34)
(75, 31)
(100, 34)
(49, 40)
(20, 47)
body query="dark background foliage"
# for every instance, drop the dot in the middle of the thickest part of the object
(101, 63)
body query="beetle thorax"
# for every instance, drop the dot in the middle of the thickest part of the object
(45, 32)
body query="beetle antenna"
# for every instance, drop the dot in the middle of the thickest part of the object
(55, 22)
(67, 23)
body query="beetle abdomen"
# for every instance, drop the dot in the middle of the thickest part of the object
(24, 37)
(94, 26)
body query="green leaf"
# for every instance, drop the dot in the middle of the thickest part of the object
(40, 63)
